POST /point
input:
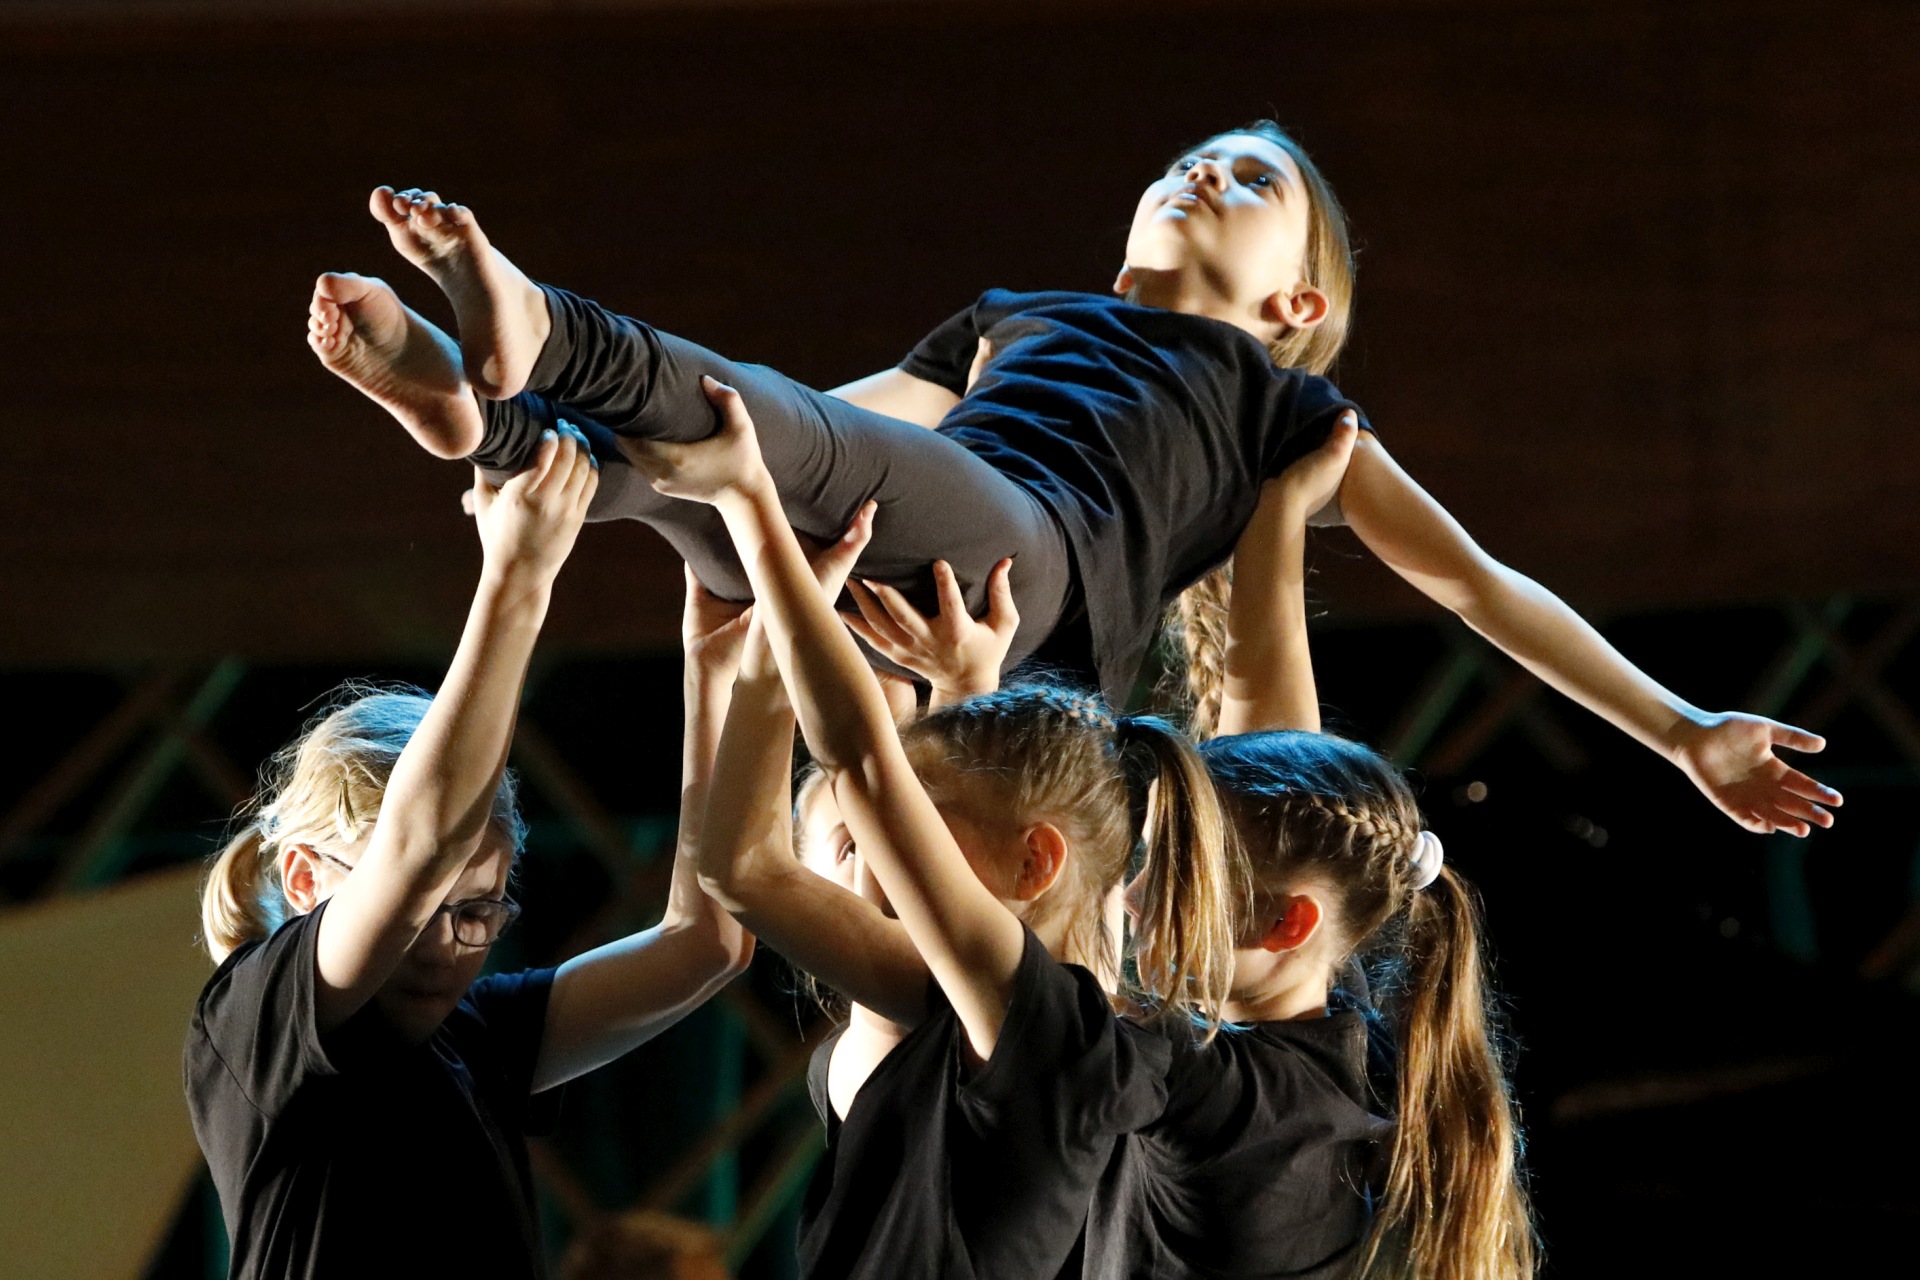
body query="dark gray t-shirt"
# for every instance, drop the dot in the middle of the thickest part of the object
(355, 1153)
(1146, 432)
(945, 1174)
(1259, 1167)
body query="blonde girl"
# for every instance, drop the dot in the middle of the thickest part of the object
(1113, 445)
(994, 830)
(361, 1094)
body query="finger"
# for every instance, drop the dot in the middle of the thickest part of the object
(1801, 785)
(534, 476)
(860, 532)
(1785, 735)
(880, 644)
(953, 605)
(589, 483)
(579, 438)
(733, 410)
(910, 619)
(876, 614)
(696, 589)
(1795, 808)
(467, 502)
(1002, 616)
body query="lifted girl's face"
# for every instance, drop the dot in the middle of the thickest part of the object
(1235, 212)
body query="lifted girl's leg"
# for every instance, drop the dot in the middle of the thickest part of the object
(502, 314)
(365, 334)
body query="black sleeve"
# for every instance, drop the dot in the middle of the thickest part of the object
(945, 356)
(511, 1020)
(257, 1013)
(1065, 1069)
(1311, 405)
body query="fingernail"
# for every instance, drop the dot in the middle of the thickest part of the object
(549, 434)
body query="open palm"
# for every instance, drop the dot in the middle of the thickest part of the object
(1730, 757)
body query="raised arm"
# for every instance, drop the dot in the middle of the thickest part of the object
(971, 942)
(608, 1001)
(440, 795)
(1269, 670)
(1728, 755)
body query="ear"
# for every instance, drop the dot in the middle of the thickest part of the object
(1041, 862)
(1304, 308)
(297, 877)
(1123, 283)
(1298, 921)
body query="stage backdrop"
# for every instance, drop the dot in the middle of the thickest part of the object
(1637, 296)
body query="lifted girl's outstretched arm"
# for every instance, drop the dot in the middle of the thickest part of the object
(1728, 755)
(971, 942)
(616, 997)
(439, 798)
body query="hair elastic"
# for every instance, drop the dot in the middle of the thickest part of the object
(1427, 857)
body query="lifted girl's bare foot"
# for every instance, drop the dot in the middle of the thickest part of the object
(363, 332)
(502, 314)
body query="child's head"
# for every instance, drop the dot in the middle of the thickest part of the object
(1329, 822)
(1045, 791)
(310, 823)
(1247, 216)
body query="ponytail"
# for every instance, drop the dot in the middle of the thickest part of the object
(1453, 1206)
(241, 900)
(1193, 893)
(1317, 808)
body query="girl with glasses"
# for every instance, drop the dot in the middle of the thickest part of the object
(361, 1094)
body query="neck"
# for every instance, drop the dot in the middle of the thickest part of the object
(1195, 292)
(1267, 988)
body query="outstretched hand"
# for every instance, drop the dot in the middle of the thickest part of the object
(955, 653)
(706, 470)
(528, 524)
(1730, 757)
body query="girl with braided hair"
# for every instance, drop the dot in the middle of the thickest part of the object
(992, 834)
(1270, 1157)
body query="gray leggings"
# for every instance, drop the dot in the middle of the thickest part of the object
(609, 375)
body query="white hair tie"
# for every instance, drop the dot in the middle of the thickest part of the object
(1427, 857)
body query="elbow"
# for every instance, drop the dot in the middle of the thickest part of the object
(725, 886)
(1476, 588)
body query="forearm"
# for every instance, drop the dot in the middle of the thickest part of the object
(438, 799)
(898, 394)
(836, 699)
(1543, 634)
(1269, 669)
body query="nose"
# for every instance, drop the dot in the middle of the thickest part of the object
(435, 947)
(1206, 173)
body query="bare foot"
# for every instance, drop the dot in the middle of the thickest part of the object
(363, 332)
(502, 314)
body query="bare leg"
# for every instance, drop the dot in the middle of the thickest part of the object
(502, 314)
(365, 334)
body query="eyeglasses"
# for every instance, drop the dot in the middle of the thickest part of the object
(477, 922)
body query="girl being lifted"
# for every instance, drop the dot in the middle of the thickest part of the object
(1113, 445)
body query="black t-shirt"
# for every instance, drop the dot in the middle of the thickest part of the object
(355, 1153)
(945, 1174)
(1147, 433)
(1260, 1166)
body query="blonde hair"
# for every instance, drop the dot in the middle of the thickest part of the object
(1308, 805)
(324, 790)
(1196, 624)
(1039, 753)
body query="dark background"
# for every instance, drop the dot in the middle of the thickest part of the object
(1636, 303)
